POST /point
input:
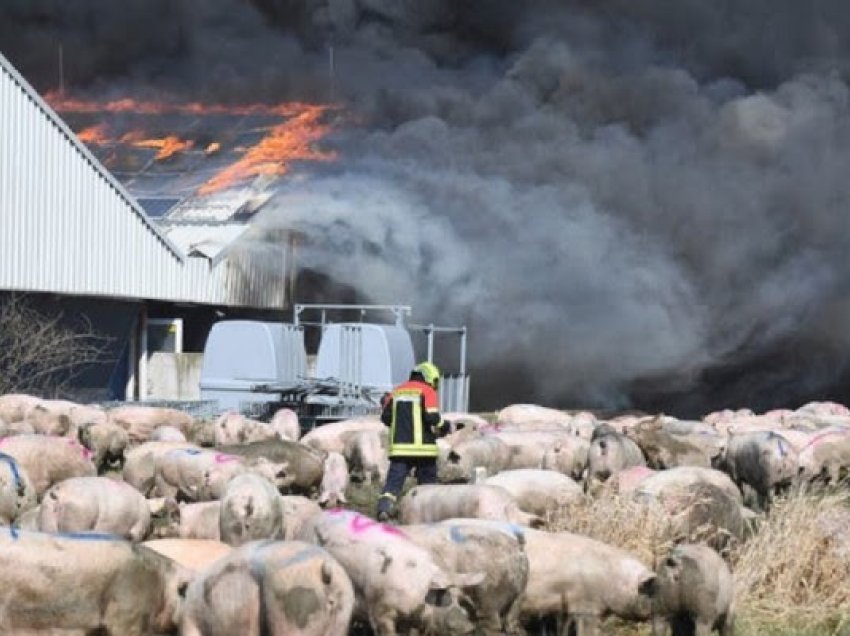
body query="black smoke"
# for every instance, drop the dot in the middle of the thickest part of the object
(630, 204)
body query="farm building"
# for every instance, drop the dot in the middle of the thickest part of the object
(74, 239)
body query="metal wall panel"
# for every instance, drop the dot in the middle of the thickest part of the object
(67, 226)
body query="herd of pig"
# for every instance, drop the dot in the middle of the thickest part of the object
(143, 520)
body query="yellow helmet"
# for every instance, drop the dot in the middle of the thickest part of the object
(429, 371)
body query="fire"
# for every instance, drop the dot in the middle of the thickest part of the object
(291, 140)
(168, 147)
(93, 135)
(273, 155)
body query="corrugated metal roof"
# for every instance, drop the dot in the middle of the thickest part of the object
(204, 240)
(69, 227)
(69, 136)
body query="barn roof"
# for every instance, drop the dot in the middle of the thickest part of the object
(70, 227)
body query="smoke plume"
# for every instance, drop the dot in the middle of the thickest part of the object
(629, 204)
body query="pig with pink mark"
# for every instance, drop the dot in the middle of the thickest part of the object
(194, 474)
(96, 504)
(825, 454)
(334, 481)
(48, 460)
(399, 587)
(108, 442)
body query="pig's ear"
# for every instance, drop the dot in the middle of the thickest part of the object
(443, 580)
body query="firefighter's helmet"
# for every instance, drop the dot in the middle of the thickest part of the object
(429, 371)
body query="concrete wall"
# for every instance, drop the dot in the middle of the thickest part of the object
(174, 376)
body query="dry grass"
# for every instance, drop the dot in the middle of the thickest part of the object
(792, 575)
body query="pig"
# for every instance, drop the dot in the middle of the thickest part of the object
(567, 455)
(140, 463)
(191, 474)
(664, 449)
(107, 441)
(304, 465)
(141, 421)
(14, 406)
(581, 580)
(21, 427)
(457, 464)
(285, 423)
(694, 593)
(398, 585)
(332, 437)
(609, 453)
(250, 510)
(824, 455)
(430, 503)
(270, 587)
(764, 461)
(334, 481)
(90, 582)
(95, 503)
(28, 520)
(17, 493)
(529, 447)
(683, 476)
(167, 434)
(194, 555)
(536, 491)
(48, 460)
(200, 520)
(628, 480)
(50, 417)
(459, 546)
(517, 416)
(297, 510)
(367, 458)
(234, 428)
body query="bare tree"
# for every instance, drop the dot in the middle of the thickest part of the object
(41, 354)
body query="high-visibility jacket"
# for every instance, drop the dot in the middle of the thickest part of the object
(412, 413)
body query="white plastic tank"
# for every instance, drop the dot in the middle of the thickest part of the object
(370, 355)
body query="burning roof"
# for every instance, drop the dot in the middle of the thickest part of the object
(193, 161)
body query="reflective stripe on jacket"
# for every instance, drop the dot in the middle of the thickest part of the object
(412, 413)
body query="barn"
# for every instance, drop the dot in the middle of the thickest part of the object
(76, 243)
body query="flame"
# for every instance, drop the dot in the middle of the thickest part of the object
(286, 142)
(168, 146)
(93, 135)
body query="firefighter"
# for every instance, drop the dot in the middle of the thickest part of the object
(412, 412)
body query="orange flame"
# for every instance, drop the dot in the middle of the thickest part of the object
(93, 135)
(291, 140)
(285, 143)
(168, 147)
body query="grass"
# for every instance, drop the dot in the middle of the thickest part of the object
(792, 575)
